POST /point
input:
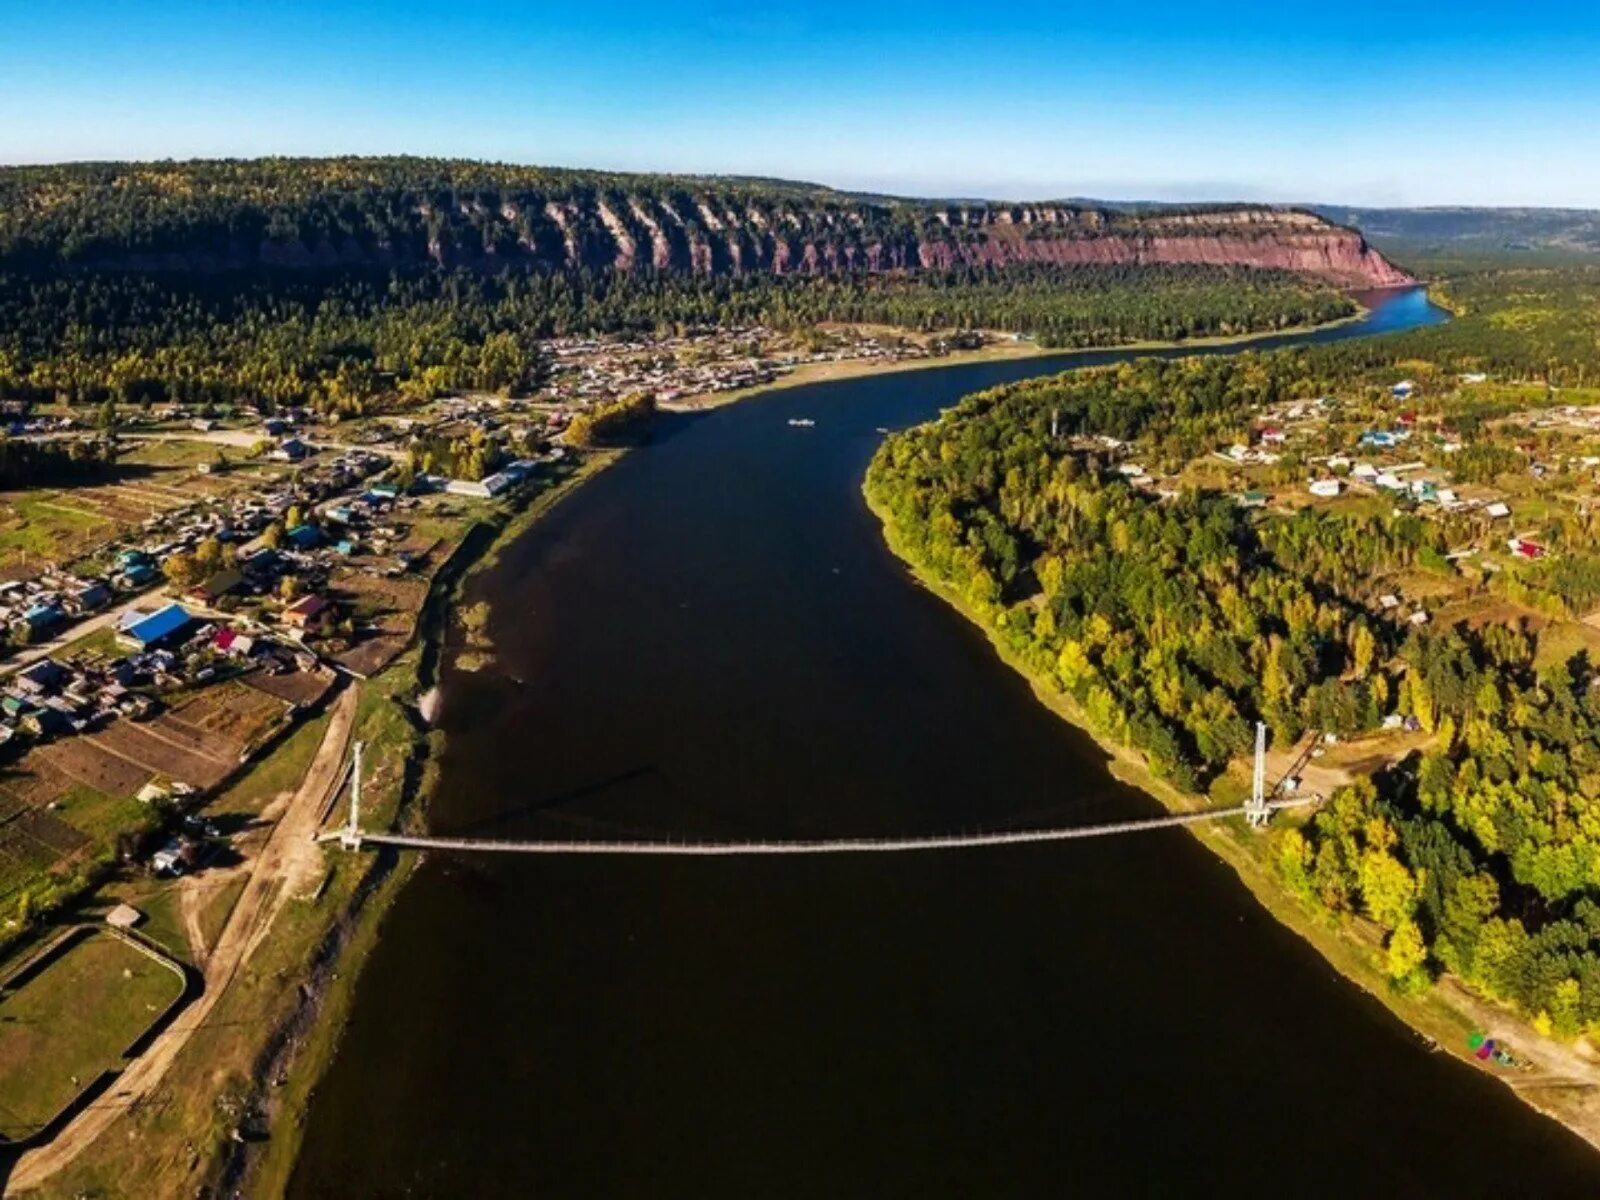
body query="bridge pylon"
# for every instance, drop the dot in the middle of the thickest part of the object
(350, 835)
(1257, 811)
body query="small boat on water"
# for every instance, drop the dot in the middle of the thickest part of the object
(802, 422)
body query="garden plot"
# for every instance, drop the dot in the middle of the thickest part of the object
(95, 761)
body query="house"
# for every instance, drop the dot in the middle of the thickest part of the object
(42, 616)
(1498, 509)
(262, 563)
(1388, 601)
(124, 916)
(1325, 487)
(1251, 499)
(45, 722)
(484, 489)
(214, 588)
(41, 678)
(1403, 389)
(173, 858)
(1475, 377)
(1364, 470)
(139, 574)
(521, 469)
(162, 627)
(233, 643)
(291, 449)
(87, 595)
(152, 793)
(304, 537)
(308, 612)
(1523, 548)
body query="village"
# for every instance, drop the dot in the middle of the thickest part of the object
(1500, 497)
(147, 671)
(691, 368)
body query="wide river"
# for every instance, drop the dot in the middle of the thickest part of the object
(710, 639)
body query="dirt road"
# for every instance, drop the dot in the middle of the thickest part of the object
(288, 865)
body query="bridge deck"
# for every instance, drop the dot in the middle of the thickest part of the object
(702, 849)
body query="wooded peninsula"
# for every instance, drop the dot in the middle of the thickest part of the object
(1384, 550)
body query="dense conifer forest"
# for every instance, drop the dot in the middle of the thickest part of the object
(348, 340)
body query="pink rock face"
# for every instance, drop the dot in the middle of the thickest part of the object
(1336, 255)
(706, 233)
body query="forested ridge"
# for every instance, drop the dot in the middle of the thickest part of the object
(353, 283)
(1173, 623)
(405, 211)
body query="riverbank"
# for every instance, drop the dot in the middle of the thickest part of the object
(306, 1042)
(1564, 1084)
(1006, 350)
(225, 1111)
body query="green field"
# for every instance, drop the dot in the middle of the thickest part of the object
(70, 1023)
(44, 525)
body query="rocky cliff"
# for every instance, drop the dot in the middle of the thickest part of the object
(392, 213)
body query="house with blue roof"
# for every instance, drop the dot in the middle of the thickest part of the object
(162, 627)
(304, 537)
(42, 616)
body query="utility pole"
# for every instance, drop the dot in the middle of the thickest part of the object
(350, 838)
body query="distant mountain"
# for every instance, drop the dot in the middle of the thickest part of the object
(399, 212)
(1565, 231)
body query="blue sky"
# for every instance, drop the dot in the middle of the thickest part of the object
(1398, 103)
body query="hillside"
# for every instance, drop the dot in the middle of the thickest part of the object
(387, 213)
(1483, 233)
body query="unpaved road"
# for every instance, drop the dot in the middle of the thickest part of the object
(288, 865)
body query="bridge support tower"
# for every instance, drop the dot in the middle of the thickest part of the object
(1256, 811)
(350, 835)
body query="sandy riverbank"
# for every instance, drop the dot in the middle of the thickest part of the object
(1004, 350)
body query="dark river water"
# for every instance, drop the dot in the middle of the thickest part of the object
(710, 639)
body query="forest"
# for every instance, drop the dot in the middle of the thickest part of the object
(349, 341)
(1173, 623)
(48, 464)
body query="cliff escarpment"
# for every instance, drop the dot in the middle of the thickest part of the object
(395, 213)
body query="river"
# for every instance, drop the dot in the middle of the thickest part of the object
(710, 639)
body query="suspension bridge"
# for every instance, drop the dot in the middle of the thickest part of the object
(1257, 811)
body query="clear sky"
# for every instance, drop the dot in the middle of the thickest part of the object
(1355, 102)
